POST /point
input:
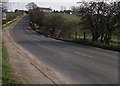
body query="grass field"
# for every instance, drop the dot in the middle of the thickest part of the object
(8, 76)
(80, 35)
(78, 29)
(9, 14)
(72, 18)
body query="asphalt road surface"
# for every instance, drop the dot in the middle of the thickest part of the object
(78, 63)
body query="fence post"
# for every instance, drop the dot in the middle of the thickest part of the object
(84, 35)
(118, 37)
(79, 35)
(76, 35)
(69, 35)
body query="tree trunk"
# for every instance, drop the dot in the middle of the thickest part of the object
(102, 36)
(52, 32)
(107, 38)
(95, 37)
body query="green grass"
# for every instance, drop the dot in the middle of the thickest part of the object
(72, 18)
(9, 14)
(80, 35)
(111, 46)
(115, 38)
(8, 76)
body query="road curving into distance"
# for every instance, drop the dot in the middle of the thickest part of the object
(78, 63)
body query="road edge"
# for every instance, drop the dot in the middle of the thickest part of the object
(53, 76)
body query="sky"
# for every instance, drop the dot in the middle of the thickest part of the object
(54, 4)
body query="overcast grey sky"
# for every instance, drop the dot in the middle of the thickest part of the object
(54, 4)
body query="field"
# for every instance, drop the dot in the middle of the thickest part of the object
(80, 32)
(9, 14)
(71, 17)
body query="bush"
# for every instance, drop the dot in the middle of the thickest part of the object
(53, 24)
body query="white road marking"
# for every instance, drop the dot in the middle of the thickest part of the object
(36, 39)
(83, 54)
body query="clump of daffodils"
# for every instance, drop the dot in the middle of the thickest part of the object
(36, 26)
(9, 22)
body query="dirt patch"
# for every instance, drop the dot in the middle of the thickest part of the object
(26, 65)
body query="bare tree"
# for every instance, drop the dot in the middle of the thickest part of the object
(4, 5)
(102, 19)
(37, 17)
(53, 23)
(31, 5)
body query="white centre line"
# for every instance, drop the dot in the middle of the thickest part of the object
(36, 39)
(83, 54)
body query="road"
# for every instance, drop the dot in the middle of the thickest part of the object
(77, 63)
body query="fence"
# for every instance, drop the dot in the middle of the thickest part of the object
(86, 36)
(76, 35)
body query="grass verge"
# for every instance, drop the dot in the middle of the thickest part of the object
(111, 46)
(8, 76)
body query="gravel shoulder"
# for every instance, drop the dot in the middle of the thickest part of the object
(26, 66)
